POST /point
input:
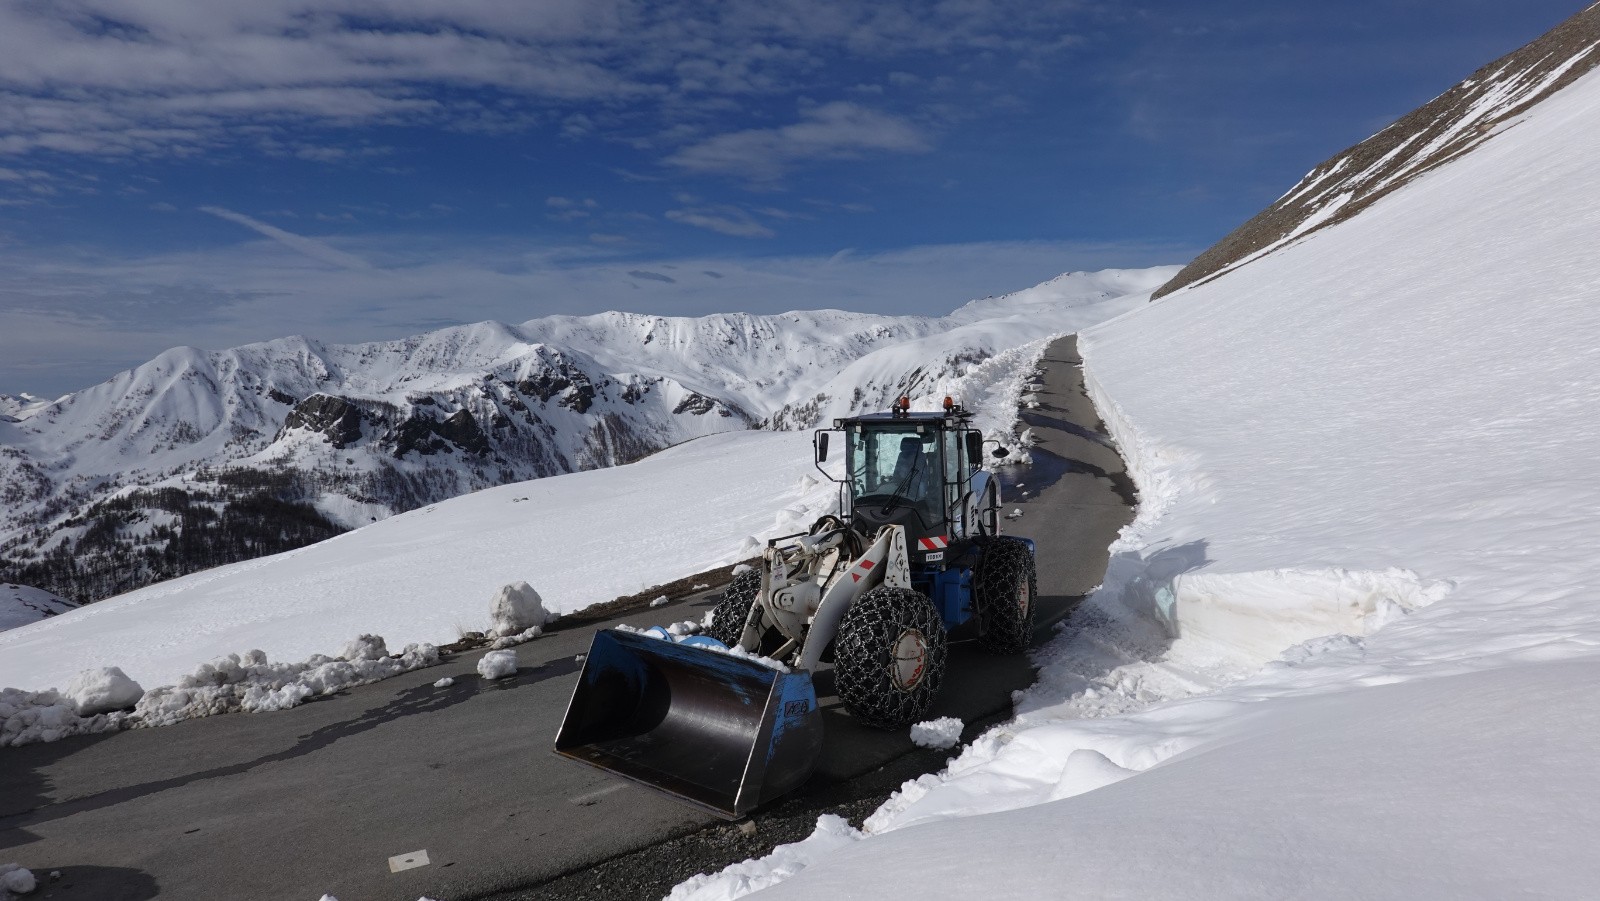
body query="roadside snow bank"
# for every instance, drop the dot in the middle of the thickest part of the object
(832, 834)
(248, 683)
(1264, 612)
(103, 690)
(33, 716)
(96, 700)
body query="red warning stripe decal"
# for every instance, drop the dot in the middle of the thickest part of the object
(933, 544)
(861, 569)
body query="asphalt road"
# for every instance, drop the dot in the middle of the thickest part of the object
(319, 799)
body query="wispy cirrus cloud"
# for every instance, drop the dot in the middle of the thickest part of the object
(724, 219)
(311, 247)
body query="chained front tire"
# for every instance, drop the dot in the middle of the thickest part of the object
(728, 617)
(889, 657)
(1004, 588)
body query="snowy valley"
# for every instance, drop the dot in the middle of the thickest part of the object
(199, 459)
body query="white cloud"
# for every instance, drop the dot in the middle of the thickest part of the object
(726, 220)
(838, 130)
(113, 77)
(311, 247)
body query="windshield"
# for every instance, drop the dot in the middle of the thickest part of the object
(897, 465)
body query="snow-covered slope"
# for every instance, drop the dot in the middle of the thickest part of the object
(201, 458)
(21, 605)
(1384, 430)
(430, 574)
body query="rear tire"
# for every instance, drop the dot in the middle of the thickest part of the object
(728, 617)
(889, 657)
(1005, 587)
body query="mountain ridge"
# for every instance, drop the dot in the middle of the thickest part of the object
(1453, 124)
(197, 458)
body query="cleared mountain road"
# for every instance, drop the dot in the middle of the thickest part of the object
(343, 795)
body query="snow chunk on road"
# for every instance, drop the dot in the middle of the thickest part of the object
(939, 734)
(498, 665)
(833, 833)
(446, 682)
(516, 608)
(15, 880)
(103, 690)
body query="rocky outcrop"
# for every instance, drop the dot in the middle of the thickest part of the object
(336, 417)
(696, 405)
(560, 376)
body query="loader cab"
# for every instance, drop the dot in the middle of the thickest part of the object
(915, 470)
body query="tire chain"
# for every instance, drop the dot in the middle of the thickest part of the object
(864, 657)
(728, 617)
(1004, 568)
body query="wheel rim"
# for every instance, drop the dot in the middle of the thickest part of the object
(910, 659)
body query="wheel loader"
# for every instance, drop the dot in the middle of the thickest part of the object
(727, 719)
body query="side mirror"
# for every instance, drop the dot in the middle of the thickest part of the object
(974, 448)
(1001, 452)
(822, 446)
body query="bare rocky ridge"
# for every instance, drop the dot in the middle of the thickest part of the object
(1450, 125)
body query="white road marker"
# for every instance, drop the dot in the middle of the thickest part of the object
(410, 861)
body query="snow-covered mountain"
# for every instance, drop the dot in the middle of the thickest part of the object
(15, 407)
(199, 458)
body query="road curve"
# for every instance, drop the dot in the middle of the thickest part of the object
(318, 799)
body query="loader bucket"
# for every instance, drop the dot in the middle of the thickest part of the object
(723, 733)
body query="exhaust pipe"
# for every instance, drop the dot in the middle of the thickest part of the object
(722, 733)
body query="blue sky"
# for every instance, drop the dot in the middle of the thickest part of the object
(213, 173)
